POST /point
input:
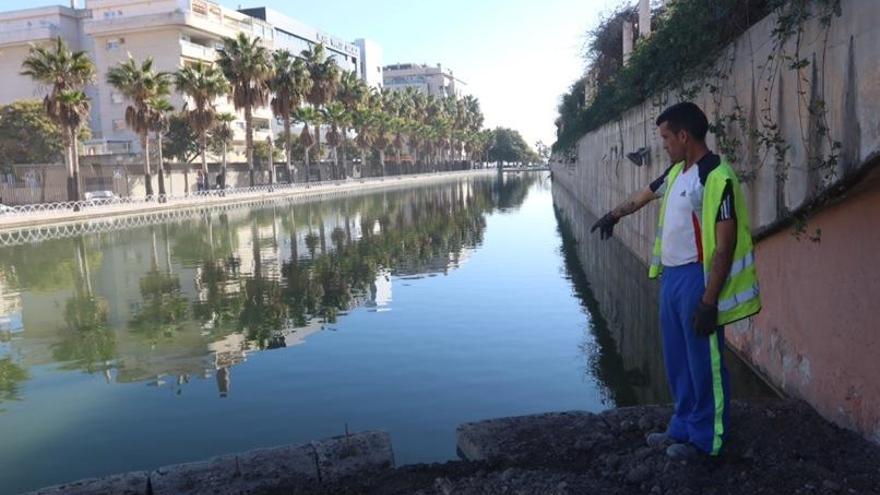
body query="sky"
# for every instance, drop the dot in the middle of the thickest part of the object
(516, 56)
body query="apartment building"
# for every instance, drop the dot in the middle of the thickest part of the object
(435, 81)
(172, 32)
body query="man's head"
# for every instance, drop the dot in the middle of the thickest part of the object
(683, 127)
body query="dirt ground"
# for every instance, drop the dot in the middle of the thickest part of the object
(775, 447)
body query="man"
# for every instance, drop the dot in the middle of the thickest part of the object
(704, 251)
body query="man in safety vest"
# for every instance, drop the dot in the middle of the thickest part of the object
(704, 251)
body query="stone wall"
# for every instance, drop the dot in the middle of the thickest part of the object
(817, 336)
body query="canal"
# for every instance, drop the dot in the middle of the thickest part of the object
(409, 311)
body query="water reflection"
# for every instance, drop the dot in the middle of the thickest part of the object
(166, 303)
(622, 303)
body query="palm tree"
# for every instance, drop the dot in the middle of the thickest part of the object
(160, 111)
(140, 84)
(352, 93)
(290, 84)
(202, 83)
(66, 104)
(223, 133)
(362, 121)
(325, 75)
(336, 116)
(307, 115)
(246, 64)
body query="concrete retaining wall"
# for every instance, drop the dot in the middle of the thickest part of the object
(817, 336)
(255, 471)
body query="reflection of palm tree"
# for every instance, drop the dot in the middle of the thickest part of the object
(164, 309)
(87, 343)
(11, 377)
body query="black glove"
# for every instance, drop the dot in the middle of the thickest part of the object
(705, 319)
(605, 225)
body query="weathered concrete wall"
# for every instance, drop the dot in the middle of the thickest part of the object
(807, 309)
(270, 470)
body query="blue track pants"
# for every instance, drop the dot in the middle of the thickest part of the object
(694, 364)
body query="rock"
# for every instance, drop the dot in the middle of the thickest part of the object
(444, 486)
(507, 474)
(134, 483)
(218, 475)
(584, 444)
(347, 455)
(646, 423)
(656, 490)
(627, 425)
(831, 486)
(612, 460)
(638, 474)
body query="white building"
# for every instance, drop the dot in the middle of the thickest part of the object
(435, 81)
(371, 62)
(172, 32)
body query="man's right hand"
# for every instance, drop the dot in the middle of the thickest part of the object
(605, 225)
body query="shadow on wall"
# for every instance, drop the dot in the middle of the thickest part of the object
(624, 318)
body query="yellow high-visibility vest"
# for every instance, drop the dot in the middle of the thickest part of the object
(740, 295)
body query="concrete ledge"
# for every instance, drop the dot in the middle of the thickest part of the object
(256, 471)
(349, 455)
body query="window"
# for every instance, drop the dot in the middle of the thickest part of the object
(114, 43)
(116, 98)
(118, 124)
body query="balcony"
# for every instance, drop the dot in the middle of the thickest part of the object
(196, 51)
(21, 36)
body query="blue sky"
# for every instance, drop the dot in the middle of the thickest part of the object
(517, 56)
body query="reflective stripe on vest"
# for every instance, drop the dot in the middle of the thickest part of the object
(737, 299)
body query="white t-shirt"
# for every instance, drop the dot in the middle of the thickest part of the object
(681, 223)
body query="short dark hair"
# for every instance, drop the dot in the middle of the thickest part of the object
(688, 116)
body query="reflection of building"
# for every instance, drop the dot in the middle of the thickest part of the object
(10, 308)
(380, 292)
(435, 81)
(173, 32)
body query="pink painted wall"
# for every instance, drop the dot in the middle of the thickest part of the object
(818, 336)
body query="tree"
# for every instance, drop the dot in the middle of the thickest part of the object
(160, 113)
(325, 74)
(28, 135)
(508, 146)
(66, 104)
(337, 118)
(307, 115)
(247, 66)
(141, 85)
(221, 137)
(180, 142)
(202, 84)
(352, 93)
(290, 83)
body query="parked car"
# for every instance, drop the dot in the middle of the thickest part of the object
(101, 197)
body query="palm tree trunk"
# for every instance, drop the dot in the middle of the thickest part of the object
(306, 159)
(162, 194)
(204, 146)
(345, 173)
(223, 171)
(363, 161)
(249, 141)
(336, 174)
(382, 161)
(148, 176)
(72, 176)
(288, 149)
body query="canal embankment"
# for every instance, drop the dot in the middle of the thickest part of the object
(775, 446)
(804, 138)
(62, 213)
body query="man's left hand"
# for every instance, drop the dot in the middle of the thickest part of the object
(705, 319)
